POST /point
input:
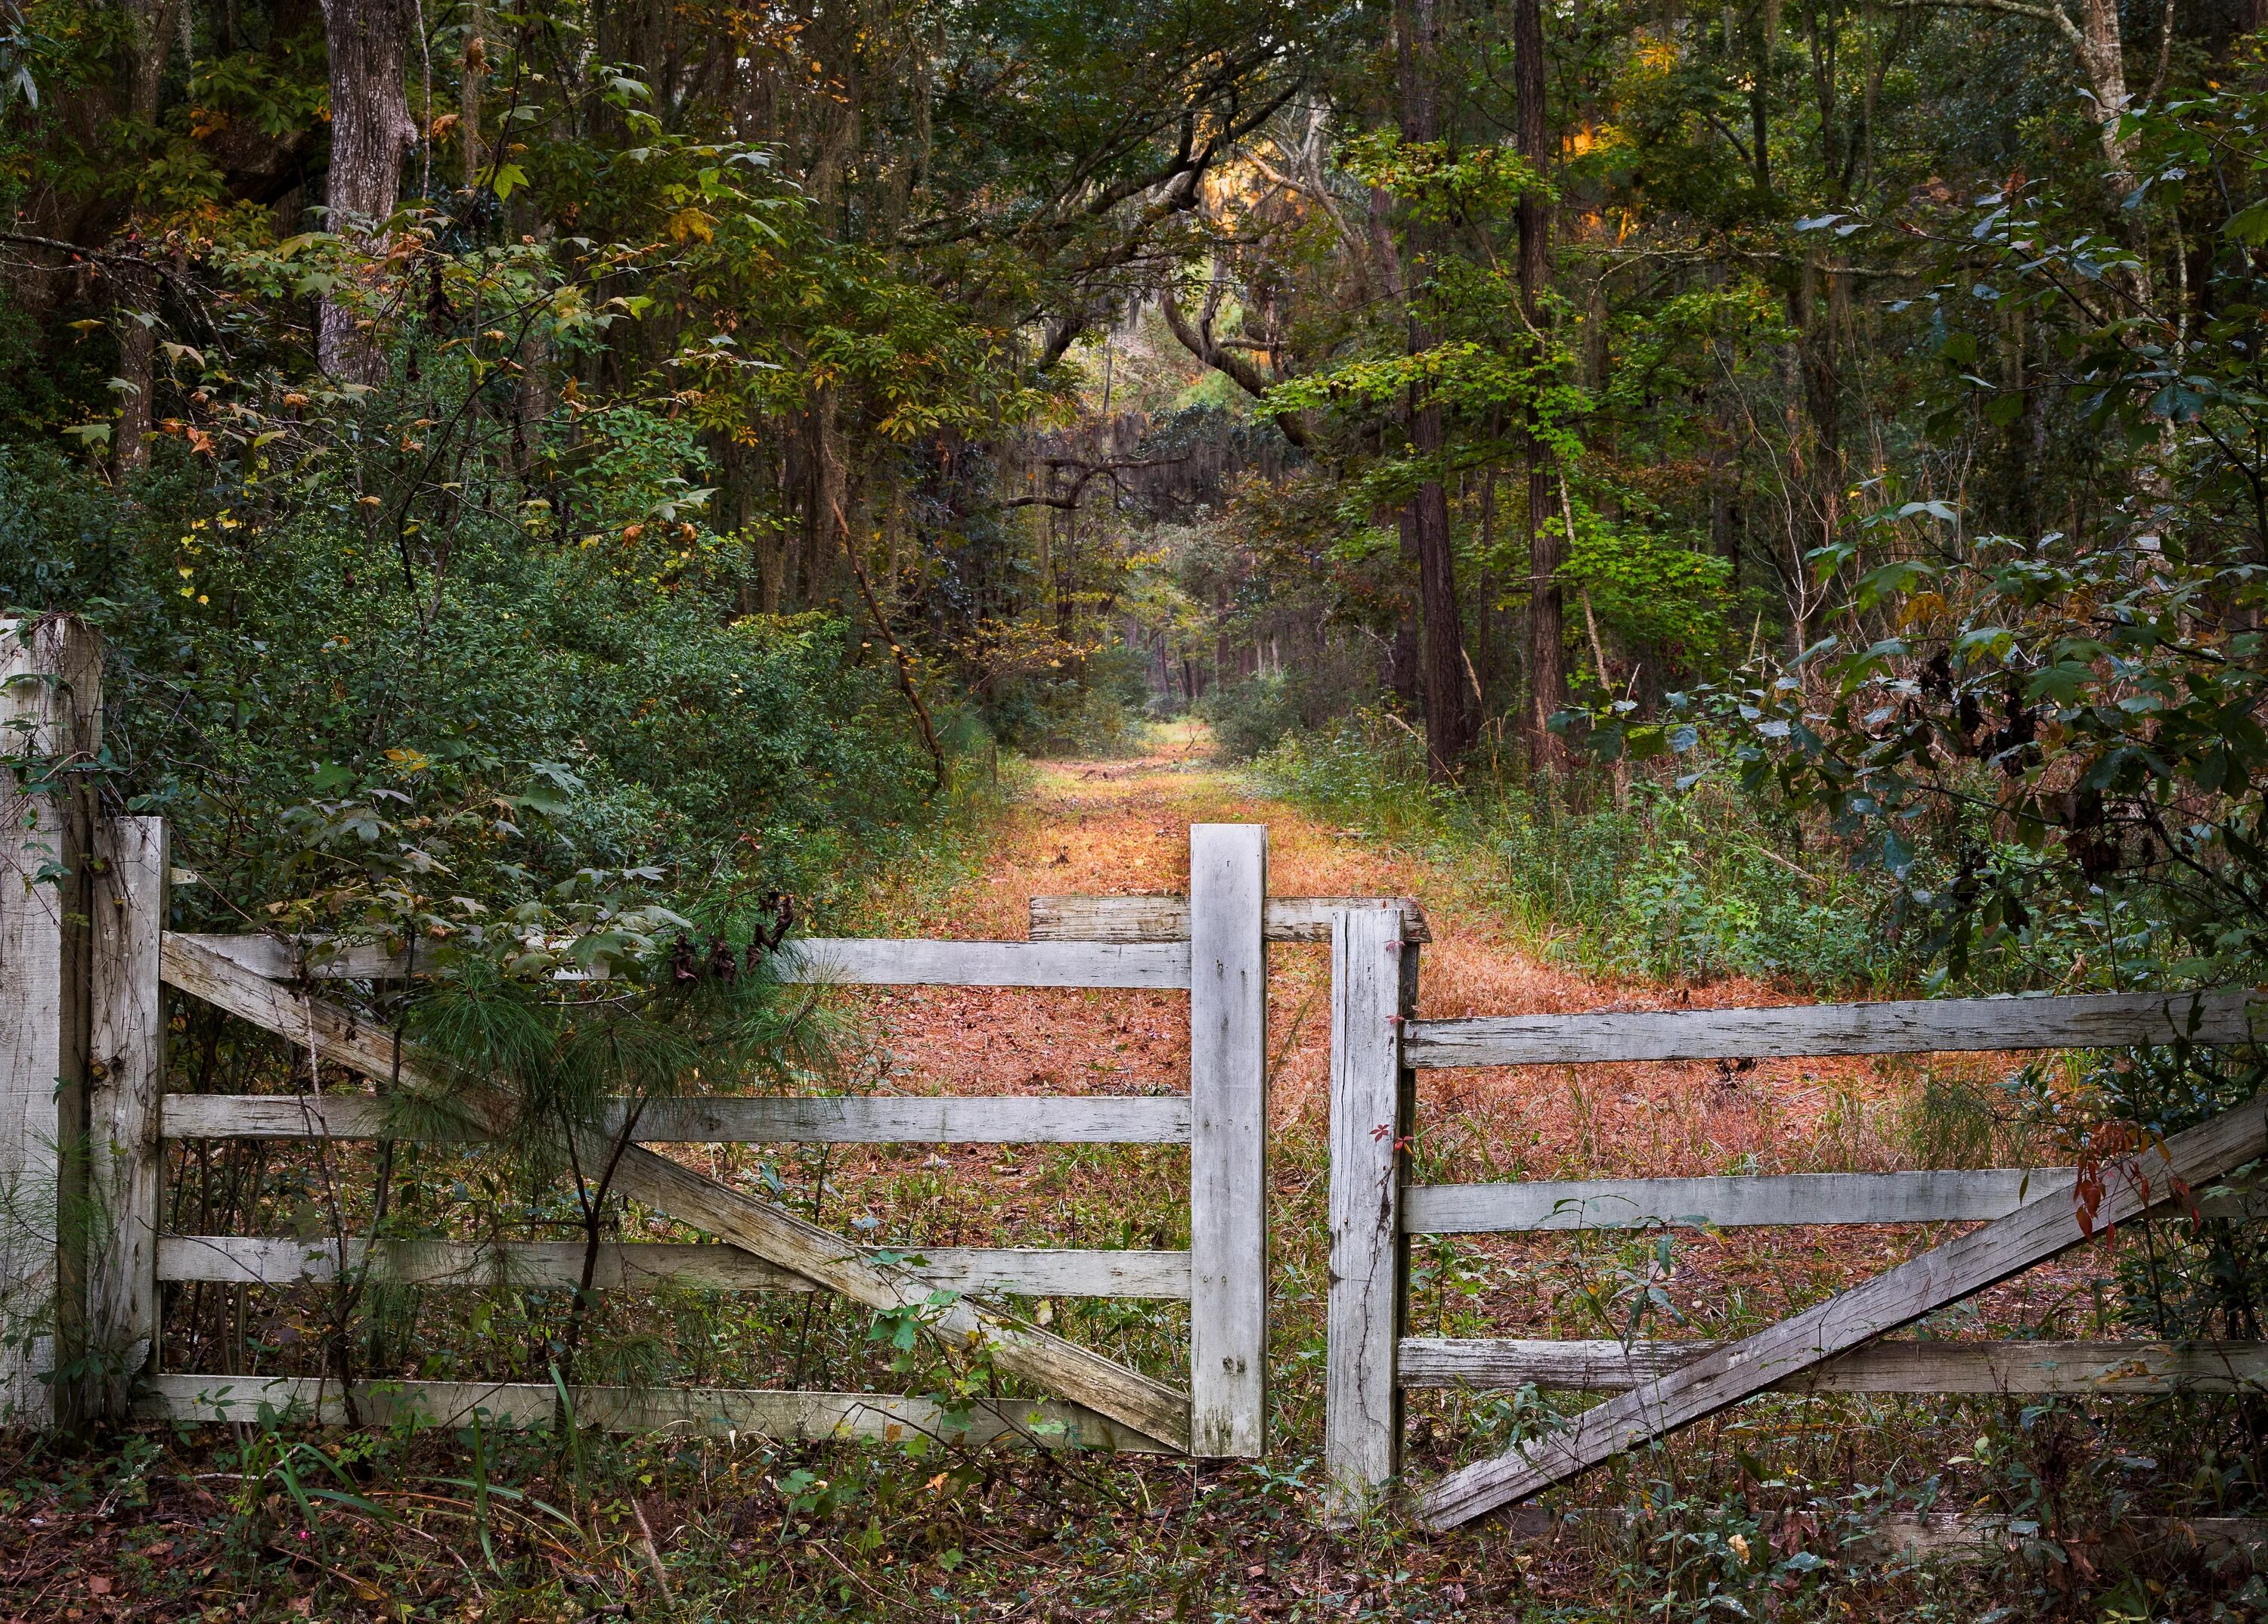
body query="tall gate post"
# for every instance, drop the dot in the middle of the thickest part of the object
(1228, 1145)
(1374, 990)
(126, 1070)
(50, 718)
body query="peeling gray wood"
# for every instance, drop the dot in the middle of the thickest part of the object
(1166, 918)
(1229, 1146)
(998, 1119)
(51, 716)
(2040, 1229)
(759, 1227)
(1033, 1272)
(2080, 1368)
(851, 961)
(1728, 1203)
(693, 1411)
(2088, 1021)
(1362, 1428)
(126, 1081)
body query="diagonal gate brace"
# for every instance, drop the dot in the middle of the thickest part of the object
(2034, 1233)
(755, 1226)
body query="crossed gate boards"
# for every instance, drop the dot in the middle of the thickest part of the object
(1212, 945)
(83, 953)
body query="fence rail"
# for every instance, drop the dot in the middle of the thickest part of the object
(845, 960)
(1895, 1366)
(2027, 1215)
(693, 1412)
(1918, 1026)
(1012, 1271)
(746, 1119)
(1754, 1201)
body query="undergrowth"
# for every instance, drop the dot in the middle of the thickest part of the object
(1652, 879)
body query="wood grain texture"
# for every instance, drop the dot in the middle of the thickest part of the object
(2040, 1229)
(1728, 1203)
(755, 1226)
(850, 960)
(695, 1412)
(853, 961)
(50, 718)
(1914, 1367)
(1034, 1272)
(1159, 1119)
(1228, 1145)
(1362, 1429)
(2101, 1020)
(126, 1081)
(314, 959)
(1166, 918)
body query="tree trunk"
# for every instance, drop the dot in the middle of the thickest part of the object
(1448, 710)
(1547, 655)
(148, 43)
(371, 131)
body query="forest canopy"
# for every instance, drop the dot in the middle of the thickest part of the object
(664, 445)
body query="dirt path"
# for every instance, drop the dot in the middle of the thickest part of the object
(1121, 828)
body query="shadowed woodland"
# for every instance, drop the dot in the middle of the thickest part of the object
(1725, 505)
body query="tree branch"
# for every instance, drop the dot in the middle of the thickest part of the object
(1199, 342)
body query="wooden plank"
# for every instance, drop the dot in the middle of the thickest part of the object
(852, 961)
(1728, 1203)
(1989, 1367)
(1109, 919)
(695, 1412)
(1033, 1272)
(51, 719)
(1166, 918)
(1001, 1120)
(1362, 1421)
(1228, 1148)
(319, 958)
(2040, 1229)
(2088, 1021)
(1752, 1200)
(126, 1081)
(755, 1226)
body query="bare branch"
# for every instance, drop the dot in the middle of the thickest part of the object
(1200, 343)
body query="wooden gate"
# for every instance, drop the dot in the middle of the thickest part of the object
(1378, 1046)
(84, 954)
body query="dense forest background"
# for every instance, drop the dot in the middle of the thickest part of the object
(1778, 489)
(678, 419)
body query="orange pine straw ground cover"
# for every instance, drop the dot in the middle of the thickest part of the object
(1121, 828)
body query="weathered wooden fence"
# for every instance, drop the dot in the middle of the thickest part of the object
(1378, 1046)
(84, 954)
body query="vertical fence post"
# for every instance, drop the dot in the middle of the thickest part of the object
(126, 1070)
(1228, 1145)
(1373, 985)
(50, 718)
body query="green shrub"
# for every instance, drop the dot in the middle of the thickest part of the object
(1693, 883)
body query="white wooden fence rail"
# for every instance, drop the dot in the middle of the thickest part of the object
(1018, 1271)
(745, 1118)
(1378, 1045)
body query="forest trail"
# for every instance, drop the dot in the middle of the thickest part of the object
(1121, 827)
